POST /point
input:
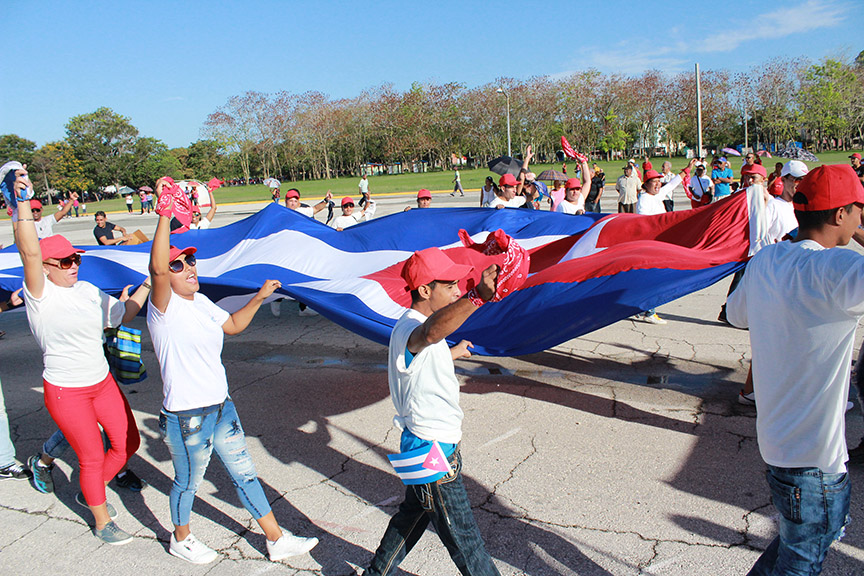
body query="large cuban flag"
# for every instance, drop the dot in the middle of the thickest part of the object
(586, 271)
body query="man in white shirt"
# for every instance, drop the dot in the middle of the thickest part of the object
(349, 217)
(425, 393)
(506, 197)
(45, 226)
(628, 190)
(802, 301)
(292, 202)
(701, 187)
(779, 211)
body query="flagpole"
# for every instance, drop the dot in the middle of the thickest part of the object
(698, 112)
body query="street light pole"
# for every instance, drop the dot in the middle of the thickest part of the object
(506, 95)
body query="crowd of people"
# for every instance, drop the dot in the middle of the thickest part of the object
(799, 292)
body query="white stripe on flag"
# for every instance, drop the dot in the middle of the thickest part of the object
(403, 462)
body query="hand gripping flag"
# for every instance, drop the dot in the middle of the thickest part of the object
(423, 465)
(570, 152)
(585, 272)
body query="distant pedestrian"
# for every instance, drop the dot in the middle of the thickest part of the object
(129, 201)
(627, 187)
(457, 184)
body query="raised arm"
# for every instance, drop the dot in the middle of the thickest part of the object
(27, 240)
(136, 301)
(160, 250)
(212, 212)
(322, 204)
(60, 214)
(240, 320)
(448, 319)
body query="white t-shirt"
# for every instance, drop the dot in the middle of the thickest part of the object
(45, 226)
(802, 304)
(67, 324)
(364, 186)
(306, 210)
(187, 340)
(486, 196)
(203, 224)
(426, 391)
(650, 204)
(780, 216)
(515, 202)
(700, 186)
(346, 221)
(566, 207)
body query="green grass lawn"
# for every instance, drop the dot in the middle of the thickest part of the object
(435, 181)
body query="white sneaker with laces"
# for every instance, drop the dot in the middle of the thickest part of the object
(191, 550)
(289, 545)
(653, 319)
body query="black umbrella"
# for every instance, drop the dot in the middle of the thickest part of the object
(795, 153)
(506, 165)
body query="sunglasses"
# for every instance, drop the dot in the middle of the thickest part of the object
(36, 210)
(66, 263)
(347, 205)
(176, 266)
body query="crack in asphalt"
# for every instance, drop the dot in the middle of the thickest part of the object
(494, 491)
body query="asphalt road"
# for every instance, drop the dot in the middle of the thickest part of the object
(623, 452)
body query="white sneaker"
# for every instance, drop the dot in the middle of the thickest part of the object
(191, 550)
(653, 319)
(747, 399)
(289, 545)
(276, 308)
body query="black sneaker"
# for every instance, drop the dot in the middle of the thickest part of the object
(130, 481)
(43, 481)
(15, 472)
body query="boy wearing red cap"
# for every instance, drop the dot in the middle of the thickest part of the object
(348, 217)
(855, 160)
(425, 393)
(802, 301)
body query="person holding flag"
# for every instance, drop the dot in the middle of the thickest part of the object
(425, 393)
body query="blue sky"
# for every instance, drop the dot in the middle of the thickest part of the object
(167, 65)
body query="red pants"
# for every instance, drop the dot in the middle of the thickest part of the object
(79, 412)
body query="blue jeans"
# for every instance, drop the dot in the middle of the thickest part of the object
(814, 511)
(57, 444)
(191, 436)
(445, 503)
(7, 450)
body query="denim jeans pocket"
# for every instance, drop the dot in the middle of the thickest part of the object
(835, 482)
(190, 425)
(786, 498)
(455, 462)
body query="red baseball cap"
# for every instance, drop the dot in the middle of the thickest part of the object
(347, 200)
(57, 247)
(175, 252)
(432, 264)
(650, 174)
(196, 210)
(856, 155)
(292, 193)
(35, 204)
(424, 193)
(754, 169)
(828, 187)
(646, 166)
(573, 184)
(508, 180)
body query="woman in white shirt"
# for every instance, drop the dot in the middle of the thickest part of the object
(67, 317)
(198, 416)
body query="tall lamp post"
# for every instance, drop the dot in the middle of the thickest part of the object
(506, 95)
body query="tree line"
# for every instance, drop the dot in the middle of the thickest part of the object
(312, 136)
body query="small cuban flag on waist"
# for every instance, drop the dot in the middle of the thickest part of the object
(423, 465)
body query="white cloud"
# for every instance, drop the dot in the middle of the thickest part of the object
(781, 23)
(629, 57)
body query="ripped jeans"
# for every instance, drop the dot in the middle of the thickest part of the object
(191, 436)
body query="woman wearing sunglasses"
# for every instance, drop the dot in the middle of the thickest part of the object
(198, 416)
(67, 317)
